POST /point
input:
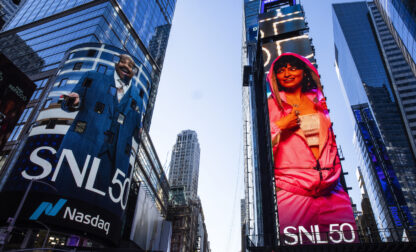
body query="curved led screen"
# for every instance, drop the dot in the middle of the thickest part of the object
(83, 143)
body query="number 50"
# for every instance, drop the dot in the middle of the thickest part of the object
(123, 186)
(333, 228)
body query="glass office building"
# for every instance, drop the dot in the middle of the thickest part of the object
(37, 38)
(389, 170)
(400, 16)
(403, 78)
(7, 9)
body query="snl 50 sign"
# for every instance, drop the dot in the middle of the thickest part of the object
(83, 143)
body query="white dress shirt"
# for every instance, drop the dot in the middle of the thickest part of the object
(120, 84)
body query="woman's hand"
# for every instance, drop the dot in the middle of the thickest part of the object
(289, 122)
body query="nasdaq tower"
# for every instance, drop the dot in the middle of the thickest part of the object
(57, 43)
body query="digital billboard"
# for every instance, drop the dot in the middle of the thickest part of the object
(15, 92)
(299, 44)
(84, 144)
(271, 4)
(280, 21)
(313, 207)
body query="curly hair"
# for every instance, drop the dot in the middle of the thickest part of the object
(307, 82)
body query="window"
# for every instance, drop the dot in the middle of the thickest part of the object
(3, 158)
(116, 59)
(40, 84)
(36, 94)
(51, 124)
(63, 82)
(77, 66)
(20, 124)
(25, 115)
(102, 69)
(91, 53)
(47, 103)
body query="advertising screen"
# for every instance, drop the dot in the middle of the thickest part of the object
(271, 4)
(83, 145)
(300, 45)
(284, 20)
(313, 207)
(15, 92)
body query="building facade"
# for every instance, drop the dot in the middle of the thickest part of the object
(7, 9)
(403, 79)
(253, 224)
(366, 55)
(36, 40)
(44, 41)
(184, 164)
(366, 221)
(189, 232)
(400, 18)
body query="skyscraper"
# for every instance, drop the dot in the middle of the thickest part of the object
(402, 78)
(185, 208)
(371, 69)
(252, 214)
(400, 18)
(43, 39)
(184, 164)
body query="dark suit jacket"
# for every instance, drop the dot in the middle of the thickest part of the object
(103, 127)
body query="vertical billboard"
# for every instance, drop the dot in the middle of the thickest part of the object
(83, 144)
(313, 207)
(15, 92)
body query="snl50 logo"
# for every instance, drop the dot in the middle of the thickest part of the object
(117, 191)
(71, 214)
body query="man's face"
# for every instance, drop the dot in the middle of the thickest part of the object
(124, 68)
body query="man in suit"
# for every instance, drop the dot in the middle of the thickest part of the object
(109, 117)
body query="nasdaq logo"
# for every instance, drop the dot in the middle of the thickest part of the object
(48, 209)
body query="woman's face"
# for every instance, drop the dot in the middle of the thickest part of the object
(290, 77)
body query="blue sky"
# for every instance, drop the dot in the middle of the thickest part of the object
(200, 89)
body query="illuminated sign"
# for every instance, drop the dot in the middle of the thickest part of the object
(313, 208)
(282, 21)
(267, 4)
(300, 45)
(16, 90)
(84, 144)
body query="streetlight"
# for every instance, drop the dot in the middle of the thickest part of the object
(16, 215)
